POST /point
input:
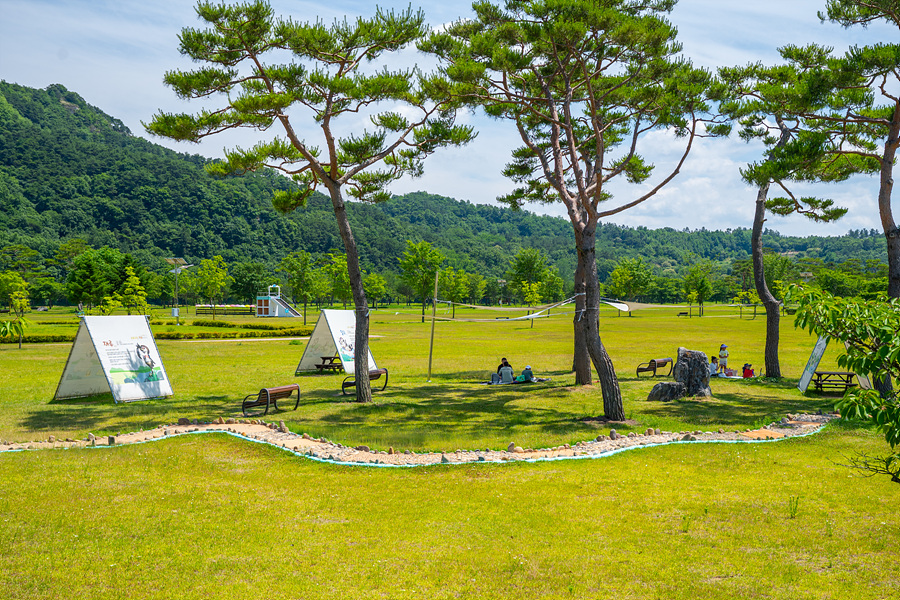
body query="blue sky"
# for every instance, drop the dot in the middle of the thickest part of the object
(114, 54)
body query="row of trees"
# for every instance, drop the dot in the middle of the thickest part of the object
(585, 83)
(704, 281)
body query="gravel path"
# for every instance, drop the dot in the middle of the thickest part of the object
(324, 450)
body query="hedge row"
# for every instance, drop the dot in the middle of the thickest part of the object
(231, 335)
(31, 338)
(257, 326)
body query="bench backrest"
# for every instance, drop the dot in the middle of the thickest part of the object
(277, 393)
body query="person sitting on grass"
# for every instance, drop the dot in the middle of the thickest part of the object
(503, 363)
(714, 367)
(506, 373)
(525, 376)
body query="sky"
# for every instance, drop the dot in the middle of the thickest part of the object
(115, 53)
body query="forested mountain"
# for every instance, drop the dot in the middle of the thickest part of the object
(68, 170)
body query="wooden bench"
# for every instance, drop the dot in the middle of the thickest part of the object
(350, 381)
(225, 310)
(683, 314)
(330, 363)
(833, 380)
(653, 365)
(270, 397)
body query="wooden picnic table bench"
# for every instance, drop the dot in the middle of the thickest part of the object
(653, 366)
(374, 374)
(330, 363)
(833, 380)
(270, 397)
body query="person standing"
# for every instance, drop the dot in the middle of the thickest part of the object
(723, 358)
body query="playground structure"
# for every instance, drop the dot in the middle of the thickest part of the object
(273, 305)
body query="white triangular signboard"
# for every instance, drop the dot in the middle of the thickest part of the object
(116, 355)
(334, 334)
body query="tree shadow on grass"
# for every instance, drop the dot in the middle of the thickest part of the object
(100, 412)
(732, 409)
(459, 410)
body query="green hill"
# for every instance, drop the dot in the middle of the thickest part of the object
(68, 170)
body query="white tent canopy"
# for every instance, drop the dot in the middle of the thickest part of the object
(334, 334)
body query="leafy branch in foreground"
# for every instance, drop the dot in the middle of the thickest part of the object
(869, 329)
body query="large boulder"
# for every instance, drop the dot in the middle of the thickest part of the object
(692, 369)
(666, 391)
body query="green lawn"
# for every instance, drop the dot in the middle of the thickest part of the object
(213, 516)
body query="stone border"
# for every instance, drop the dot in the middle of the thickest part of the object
(324, 450)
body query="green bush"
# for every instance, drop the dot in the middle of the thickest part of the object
(39, 338)
(211, 323)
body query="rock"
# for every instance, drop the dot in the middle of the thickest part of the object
(230, 421)
(306, 436)
(687, 438)
(657, 432)
(666, 391)
(511, 447)
(111, 440)
(194, 422)
(51, 439)
(721, 431)
(407, 452)
(649, 432)
(391, 450)
(518, 449)
(481, 459)
(784, 420)
(600, 438)
(692, 369)
(444, 458)
(165, 432)
(282, 427)
(184, 421)
(632, 434)
(363, 448)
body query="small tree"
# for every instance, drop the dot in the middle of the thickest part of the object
(339, 277)
(376, 287)
(697, 283)
(133, 296)
(298, 267)
(320, 70)
(454, 286)
(249, 279)
(476, 287)
(10, 283)
(419, 265)
(552, 286)
(19, 305)
(527, 267)
(631, 278)
(211, 277)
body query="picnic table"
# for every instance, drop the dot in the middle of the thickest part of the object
(330, 363)
(833, 380)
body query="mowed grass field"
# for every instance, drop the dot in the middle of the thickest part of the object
(213, 516)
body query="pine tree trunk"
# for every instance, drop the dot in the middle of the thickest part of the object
(891, 232)
(613, 408)
(361, 341)
(581, 360)
(773, 317)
